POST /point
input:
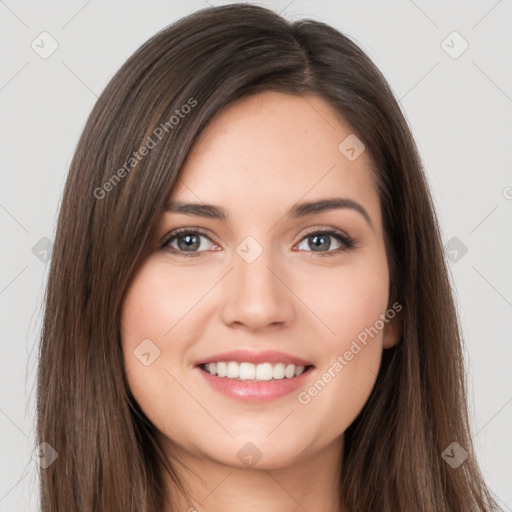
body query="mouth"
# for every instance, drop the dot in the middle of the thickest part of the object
(250, 372)
(255, 377)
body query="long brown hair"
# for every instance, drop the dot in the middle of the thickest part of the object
(161, 98)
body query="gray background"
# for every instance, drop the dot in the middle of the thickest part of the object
(459, 109)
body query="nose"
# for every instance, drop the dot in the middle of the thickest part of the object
(257, 295)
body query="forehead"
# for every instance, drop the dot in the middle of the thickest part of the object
(274, 149)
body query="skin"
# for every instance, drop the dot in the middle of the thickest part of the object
(256, 159)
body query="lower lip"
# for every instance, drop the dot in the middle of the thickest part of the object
(248, 391)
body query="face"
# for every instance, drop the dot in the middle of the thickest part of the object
(310, 288)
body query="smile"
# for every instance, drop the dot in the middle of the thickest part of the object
(255, 383)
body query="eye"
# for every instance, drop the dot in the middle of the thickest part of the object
(188, 242)
(320, 242)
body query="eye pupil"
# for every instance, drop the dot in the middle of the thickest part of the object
(314, 239)
(191, 242)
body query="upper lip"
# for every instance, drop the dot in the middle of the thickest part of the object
(265, 356)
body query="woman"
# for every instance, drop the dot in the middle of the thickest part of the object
(248, 304)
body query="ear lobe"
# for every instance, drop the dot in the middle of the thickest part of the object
(393, 330)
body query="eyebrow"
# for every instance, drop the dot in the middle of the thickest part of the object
(299, 210)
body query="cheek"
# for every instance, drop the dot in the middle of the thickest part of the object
(158, 298)
(150, 311)
(350, 304)
(348, 300)
(162, 305)
(161, 309)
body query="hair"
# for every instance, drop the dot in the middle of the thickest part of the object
(109, 454)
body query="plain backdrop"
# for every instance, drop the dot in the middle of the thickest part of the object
(450, 66)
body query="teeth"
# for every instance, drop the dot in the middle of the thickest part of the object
(249, 371)
(232, 370)
(246, 371)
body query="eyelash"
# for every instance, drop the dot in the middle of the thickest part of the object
(346, 241)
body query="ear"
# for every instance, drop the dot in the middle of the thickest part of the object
(393, 329)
